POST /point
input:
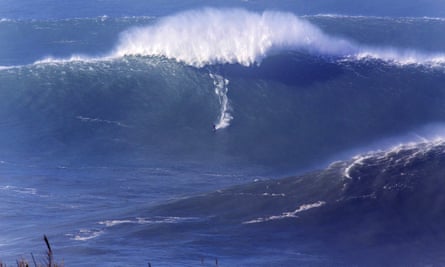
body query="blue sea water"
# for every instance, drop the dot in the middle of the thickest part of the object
(289, 133)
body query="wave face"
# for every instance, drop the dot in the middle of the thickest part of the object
(387, 207)
(114, 130)
(142, 108)
(146, 99)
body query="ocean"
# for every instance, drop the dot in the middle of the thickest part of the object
(223, 133)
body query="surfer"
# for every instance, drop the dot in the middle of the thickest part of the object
(214, 127)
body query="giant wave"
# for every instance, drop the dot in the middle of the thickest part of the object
(105, 138)
(386, 206)
(211, 36)
(214, 36)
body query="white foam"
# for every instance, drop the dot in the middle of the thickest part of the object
(86, 234)
(18, 190)
(221, 90)
(218, 36)
(357, 161)
(292, 214)
(97, 120)
(210, 36)
(274, 195)
(7, 67)
(72, 58)
(111, 223)
(342, 16)
(442, 19)
(257, 195)
(401, 57)
(395, 154)
(139, 220)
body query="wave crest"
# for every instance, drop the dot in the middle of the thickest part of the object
(236, 36)
(211, 36)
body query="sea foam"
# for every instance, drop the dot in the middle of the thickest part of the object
(291, 214)
(212, 36)
(218, 36)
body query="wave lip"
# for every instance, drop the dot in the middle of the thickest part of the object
(401, 155)
(401, 57)
(228, 36)
(210, 36)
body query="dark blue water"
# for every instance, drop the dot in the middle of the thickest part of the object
(131, 133)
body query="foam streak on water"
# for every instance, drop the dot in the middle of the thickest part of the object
(291, 214)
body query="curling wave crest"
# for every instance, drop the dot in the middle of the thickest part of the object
(211, 36)
(220, 36)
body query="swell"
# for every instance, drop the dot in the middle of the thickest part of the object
(205, 37)
(388, 204)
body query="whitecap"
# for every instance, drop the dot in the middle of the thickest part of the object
(86, 234)
(401, 154)
(291, 214)
(19, 190)
(212, 36)
(219, 36)
(216, 36)
(7, 67)
(141, 220)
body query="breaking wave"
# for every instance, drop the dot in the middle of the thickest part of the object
(210, 36)
(395, 192)
(228, 36)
